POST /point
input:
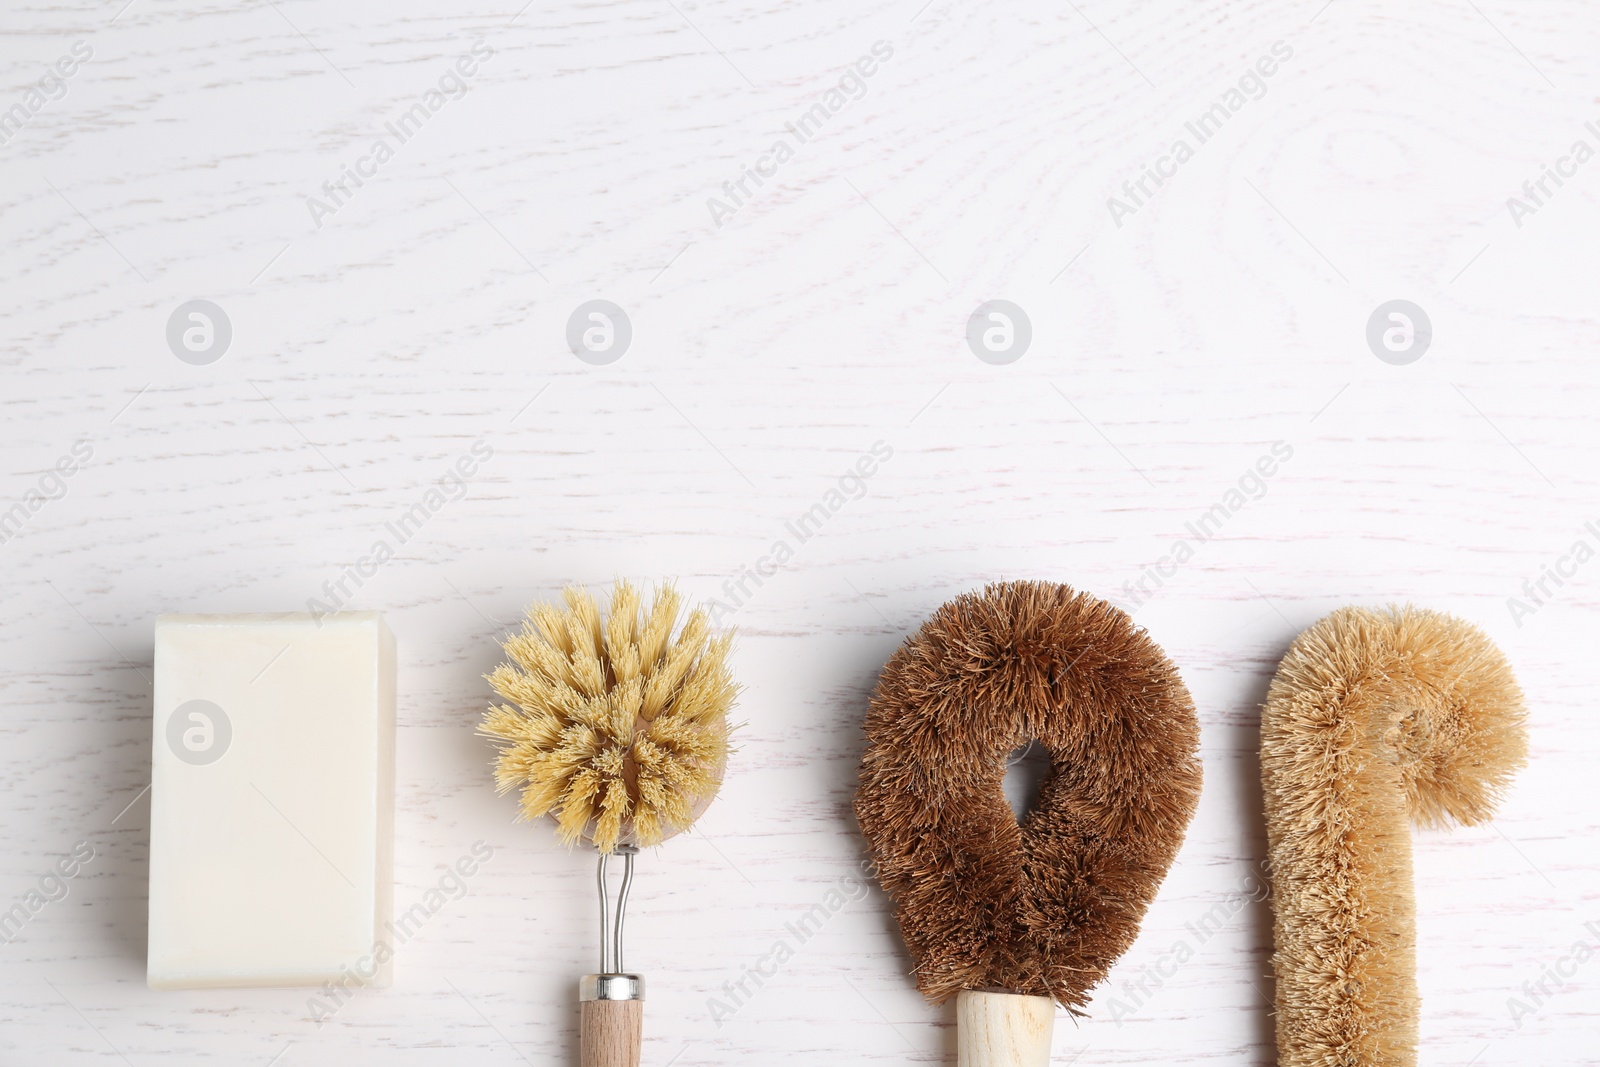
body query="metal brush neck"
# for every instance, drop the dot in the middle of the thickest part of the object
(611, 927)
(611, 983)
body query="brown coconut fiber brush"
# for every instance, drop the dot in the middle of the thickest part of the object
(1012, 919)
(616, 726)
(1375, 720)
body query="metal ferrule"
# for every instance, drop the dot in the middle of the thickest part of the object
(611, 987)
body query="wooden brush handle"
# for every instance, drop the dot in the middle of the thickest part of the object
(611, 1020)
(611, 1031)
(1003, 1029)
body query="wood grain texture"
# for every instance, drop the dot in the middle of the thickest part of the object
(1003, 1029)
(828, 313)
(609, 1033)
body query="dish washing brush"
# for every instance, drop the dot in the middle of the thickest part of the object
(1376, 720)
(1012, 918)
(615, 724)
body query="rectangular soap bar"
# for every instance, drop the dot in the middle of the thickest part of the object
(272, 800)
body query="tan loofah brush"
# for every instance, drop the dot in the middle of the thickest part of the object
(1375, 720)
(617, 727)
(1012, 919)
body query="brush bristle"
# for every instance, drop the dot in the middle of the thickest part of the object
(1045, 907)
(616, 725)
(1375, 720)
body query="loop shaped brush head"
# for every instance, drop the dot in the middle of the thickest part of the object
(616, 724)
(1041, 909)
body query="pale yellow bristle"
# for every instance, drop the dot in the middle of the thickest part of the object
(594, 700)
(1374, 720)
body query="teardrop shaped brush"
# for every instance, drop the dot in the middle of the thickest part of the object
(1013, 918)
(615, 725)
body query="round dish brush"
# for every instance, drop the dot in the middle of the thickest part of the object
(1011, 918)
(1375, 720)
(616, 726)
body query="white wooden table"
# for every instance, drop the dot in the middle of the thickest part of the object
(380, 330)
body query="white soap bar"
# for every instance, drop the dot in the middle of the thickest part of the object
(272, 800)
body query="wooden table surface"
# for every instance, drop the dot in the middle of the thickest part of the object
(388, 309)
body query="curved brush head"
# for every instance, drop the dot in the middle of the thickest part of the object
(1376, 720)
(616, 724)
(1045, 907)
